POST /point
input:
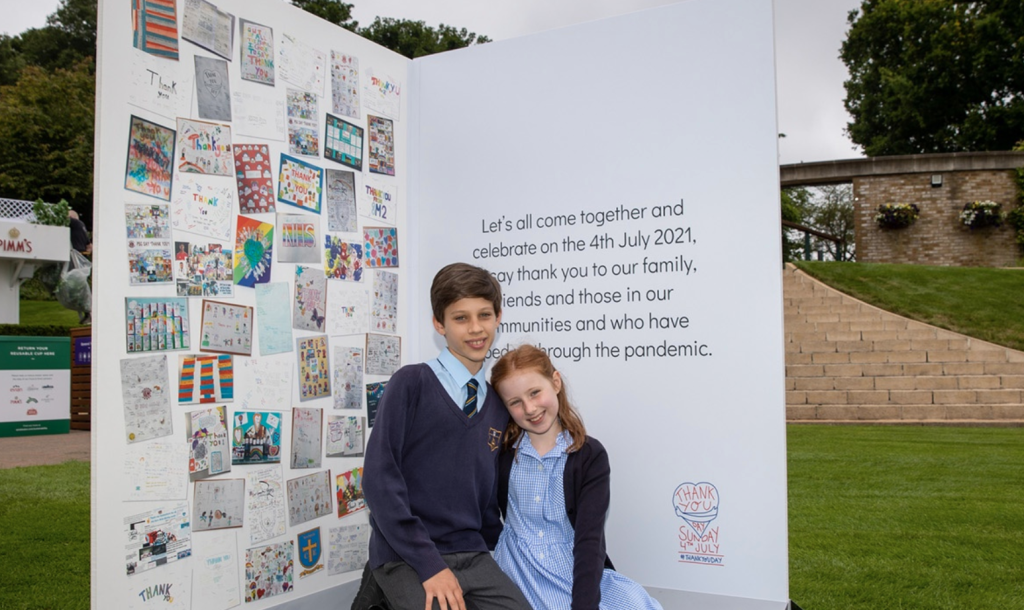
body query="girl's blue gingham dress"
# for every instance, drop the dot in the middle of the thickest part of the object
(535, 548)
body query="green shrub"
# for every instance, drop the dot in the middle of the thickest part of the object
(52, 214)
(1016, 219)
(34, 330)
(34, 290)
(1016, 216)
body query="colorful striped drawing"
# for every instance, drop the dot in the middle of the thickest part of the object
(219, 387)
(155, 27)
(226, 374)
(186, 381)
(205, 381)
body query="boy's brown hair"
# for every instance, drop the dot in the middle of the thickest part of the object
(463, 281)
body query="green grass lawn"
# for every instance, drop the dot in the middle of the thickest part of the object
(46, 312)
(44, 536)
(980, 302)
(908, 518)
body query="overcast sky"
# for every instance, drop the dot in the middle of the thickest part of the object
(808, 34)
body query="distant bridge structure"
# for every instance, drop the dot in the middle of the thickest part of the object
(940, 185)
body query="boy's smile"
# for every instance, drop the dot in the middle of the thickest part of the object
(468, 328)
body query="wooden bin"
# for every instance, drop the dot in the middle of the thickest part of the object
(81, 378)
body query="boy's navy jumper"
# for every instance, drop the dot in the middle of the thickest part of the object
(430, 474)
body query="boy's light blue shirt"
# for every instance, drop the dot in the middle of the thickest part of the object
(454, 375)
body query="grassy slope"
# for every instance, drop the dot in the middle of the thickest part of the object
(980, 302)
(44, 528)
(906, 517)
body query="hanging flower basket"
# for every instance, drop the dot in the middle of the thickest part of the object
(981, 214)
(897, 215)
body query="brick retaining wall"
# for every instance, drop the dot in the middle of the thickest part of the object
(937, 238)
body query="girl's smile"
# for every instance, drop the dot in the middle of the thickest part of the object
(532, 401)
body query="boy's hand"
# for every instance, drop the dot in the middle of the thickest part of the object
(445, 587)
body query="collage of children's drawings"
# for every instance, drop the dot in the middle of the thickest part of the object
(261, 322)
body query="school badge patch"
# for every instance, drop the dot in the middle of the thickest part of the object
(494, 439)
(309, 552)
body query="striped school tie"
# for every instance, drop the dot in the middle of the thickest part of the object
(470, 407)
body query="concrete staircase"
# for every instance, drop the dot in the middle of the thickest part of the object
(850, 362)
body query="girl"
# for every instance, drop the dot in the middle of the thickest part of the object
(553, 492)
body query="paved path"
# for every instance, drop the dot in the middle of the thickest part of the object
(21, 451)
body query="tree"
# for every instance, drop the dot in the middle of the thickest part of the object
(932, 76)
(416, 39)
(832, 213)
(75, 22)
(11, 59)
(410, 38)
(827, 210)
(338, 13)
(47, 100)
(68, 38)
(46, 133)
(795, 205)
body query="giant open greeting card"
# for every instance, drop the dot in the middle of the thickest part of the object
(619, 178)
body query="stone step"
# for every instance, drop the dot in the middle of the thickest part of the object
(859, 358)
(858, 353)
(793, 299)
(843, 326)
(951, 423)
(805, 308)
(902, 383)
(910, 369)
(884, 341)
(880, 331)
(881, 324)
(924, 338)
(1000, 396)
(850, 362)
(904, 413)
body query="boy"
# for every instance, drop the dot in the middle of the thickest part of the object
(430, 475)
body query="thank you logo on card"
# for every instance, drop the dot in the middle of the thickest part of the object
(697, 505)
(157, 593)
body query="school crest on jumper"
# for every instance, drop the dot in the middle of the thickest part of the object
(494, 439)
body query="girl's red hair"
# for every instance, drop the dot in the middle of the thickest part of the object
(529, 358)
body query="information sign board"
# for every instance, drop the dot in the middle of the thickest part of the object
(35, 385)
